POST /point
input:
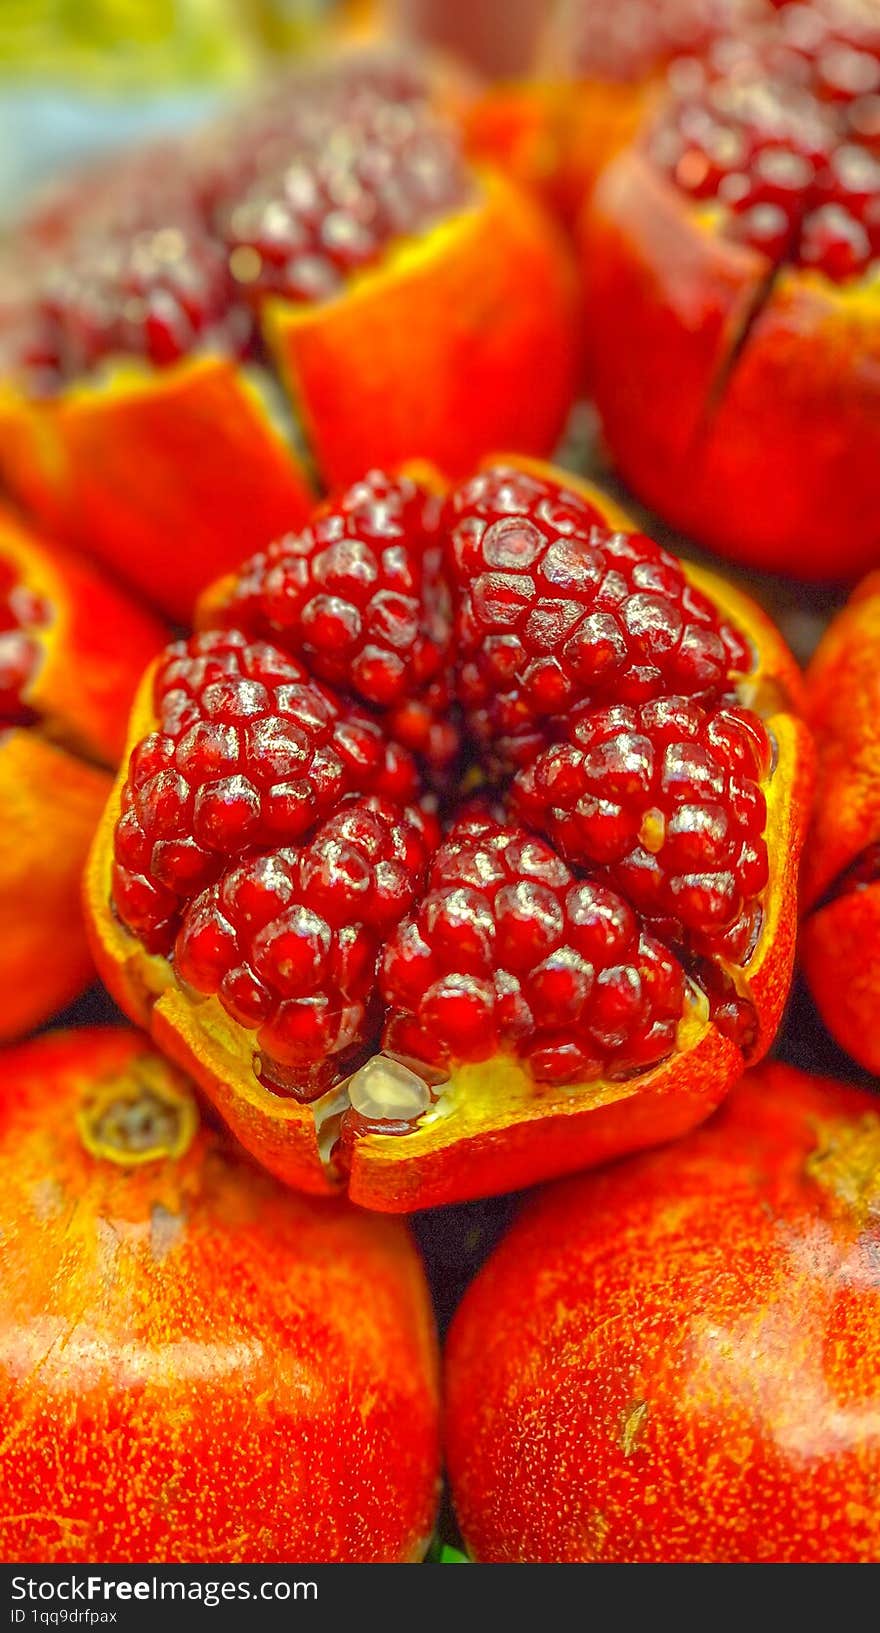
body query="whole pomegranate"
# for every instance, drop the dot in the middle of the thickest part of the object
(678, 1360)
(195, 1365)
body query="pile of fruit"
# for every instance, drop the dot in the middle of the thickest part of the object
(434, 817)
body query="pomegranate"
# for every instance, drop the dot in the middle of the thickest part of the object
(678, 1360)
(195, 1365)
(322, 269)
(729, 256)
(390, 970)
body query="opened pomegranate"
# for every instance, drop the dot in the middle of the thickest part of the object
(393, 970)
(730, 256)
(71, 650)
(195, 1365)
(318, 282)
(678, 1360)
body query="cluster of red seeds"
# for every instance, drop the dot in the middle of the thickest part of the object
(785, 138)
(264, 841)
(22, 615)
(249, 752)
(289, 939)
(832, 47)
(553, 610)
(168, 256)
(665, 800)
(350, 180)
(360, 596)
(508, 950)
(155, 292)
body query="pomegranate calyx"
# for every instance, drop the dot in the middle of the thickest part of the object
(145, 1113)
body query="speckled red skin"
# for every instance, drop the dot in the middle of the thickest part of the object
(678, 1359)
(773, 461)
(56, 774)
(498, 1134)
(840, 936)
(194, 1364)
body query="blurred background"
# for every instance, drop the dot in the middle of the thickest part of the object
(80, 76)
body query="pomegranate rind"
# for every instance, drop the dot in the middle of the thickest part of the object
(457, 341)
(840, 935)
(742, 407)
(93, 648)
(55, 774)
(682, 322)
(219, 1319)
(492, 1129)
(840, 953)
(516, 126)
(600, 119)
(51, 803)
(841, 706)
(166, 475)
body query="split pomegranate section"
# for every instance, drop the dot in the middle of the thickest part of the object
(730, 260)
(71, 651)
(463, 820)
(321, 281)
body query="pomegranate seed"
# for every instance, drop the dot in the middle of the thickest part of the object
(289, 940)
(633, 39)
(249, 753)
(530, 956)
(360, 597)
(664, 798)
(591, 614)
(835, 243)
(781, 134)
